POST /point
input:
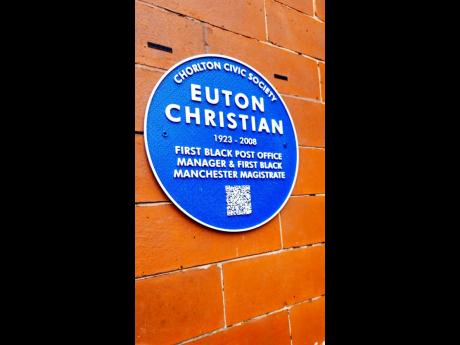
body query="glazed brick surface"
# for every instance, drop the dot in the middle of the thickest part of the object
(308, 323)
(264, 286)
(297, 31)
(167, 240)
(245, 17)
(259, 285)
(178, 306)
(272, 330)
(302, 221)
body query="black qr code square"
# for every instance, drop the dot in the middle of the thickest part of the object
(238, 200)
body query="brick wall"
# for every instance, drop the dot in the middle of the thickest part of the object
(266, 286)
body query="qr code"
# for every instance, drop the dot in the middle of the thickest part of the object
(238, 200)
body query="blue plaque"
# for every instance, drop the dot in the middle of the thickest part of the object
(221, 142)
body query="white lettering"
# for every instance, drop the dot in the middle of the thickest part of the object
(168, 112)
(195, 91)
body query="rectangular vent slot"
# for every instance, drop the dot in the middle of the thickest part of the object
(279, 76)
(159, 47)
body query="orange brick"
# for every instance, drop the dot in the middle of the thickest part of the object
(310, 178)
(242, 16)
(166, 240)
(309, 121)
(302, 221)
(305, 6)
(146, 186)
(322, 70)
(265, 283)
(271, 330)
(302, 72)
(145, 82)
(184, 36)
(321, 9)
(294, 30)
(307, 323)
(178, 306)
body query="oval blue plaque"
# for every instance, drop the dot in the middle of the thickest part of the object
(221, 142)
